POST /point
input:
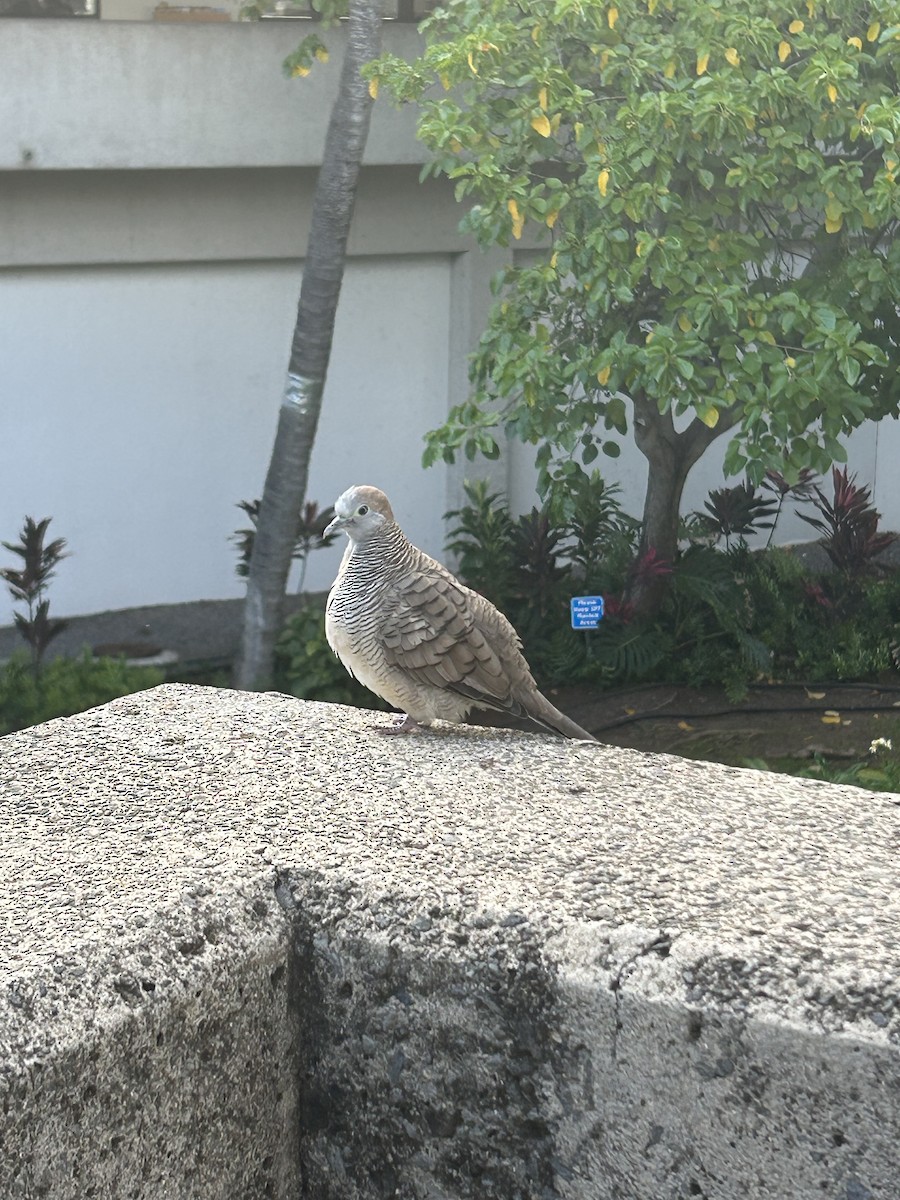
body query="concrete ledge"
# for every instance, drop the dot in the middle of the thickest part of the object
(250, 948)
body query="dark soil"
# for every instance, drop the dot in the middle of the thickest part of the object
(774, 722)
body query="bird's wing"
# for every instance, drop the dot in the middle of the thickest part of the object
(443, 634)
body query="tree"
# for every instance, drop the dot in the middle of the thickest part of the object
(712, 192)
(323, 270)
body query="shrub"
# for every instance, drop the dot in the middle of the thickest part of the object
(65, 686)
(849, 525)
(731, 617)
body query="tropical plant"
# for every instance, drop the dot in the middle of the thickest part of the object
(601, 537)
(711, 193)
(737, 510)
(531, 567)
(480, 540)
(849, 523)
(310, 536)
(28, 585)
(799, 490)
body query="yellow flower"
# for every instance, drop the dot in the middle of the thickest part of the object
(855, 41)
(795, 26)
(702, 63)
(832, 93)
(732, 56)
(542, 98)
(373, 87)
(550, 218)
(784, 50)
(299, 72)
(322, 54)
(603, 376)
(603, 181)
(873, 31)
(541, 125)
(611, 17)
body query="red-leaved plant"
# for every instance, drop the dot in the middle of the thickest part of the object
(849, 524)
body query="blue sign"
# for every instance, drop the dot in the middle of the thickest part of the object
(587, 611)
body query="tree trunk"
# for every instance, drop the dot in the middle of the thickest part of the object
(323, 271)
(670, 456)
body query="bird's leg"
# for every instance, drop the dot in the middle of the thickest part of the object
(402, 724)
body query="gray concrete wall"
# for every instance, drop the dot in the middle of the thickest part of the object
(89, 95)
(250, 947)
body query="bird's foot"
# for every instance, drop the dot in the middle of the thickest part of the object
(402, 724)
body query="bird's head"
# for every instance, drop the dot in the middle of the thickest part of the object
(360, 512)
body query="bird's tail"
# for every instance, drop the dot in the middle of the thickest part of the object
(539, 709)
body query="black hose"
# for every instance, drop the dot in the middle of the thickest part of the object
(735, 710)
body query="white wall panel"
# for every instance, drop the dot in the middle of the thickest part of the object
(139, 405)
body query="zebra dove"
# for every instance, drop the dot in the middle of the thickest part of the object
(412, 633)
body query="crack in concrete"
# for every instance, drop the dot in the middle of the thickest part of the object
(661, 944)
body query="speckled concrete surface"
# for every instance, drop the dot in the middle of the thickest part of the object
(258, 949)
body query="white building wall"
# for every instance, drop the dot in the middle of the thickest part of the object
(145, 400)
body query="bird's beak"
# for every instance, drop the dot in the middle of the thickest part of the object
(336, 526)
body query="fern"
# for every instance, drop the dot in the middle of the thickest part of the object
(625, 652)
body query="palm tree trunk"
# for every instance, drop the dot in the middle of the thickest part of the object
(323, 271)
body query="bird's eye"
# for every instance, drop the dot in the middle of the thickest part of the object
(362, 510)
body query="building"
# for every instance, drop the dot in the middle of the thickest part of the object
(156, 178)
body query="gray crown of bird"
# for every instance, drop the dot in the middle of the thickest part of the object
(408, 630)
